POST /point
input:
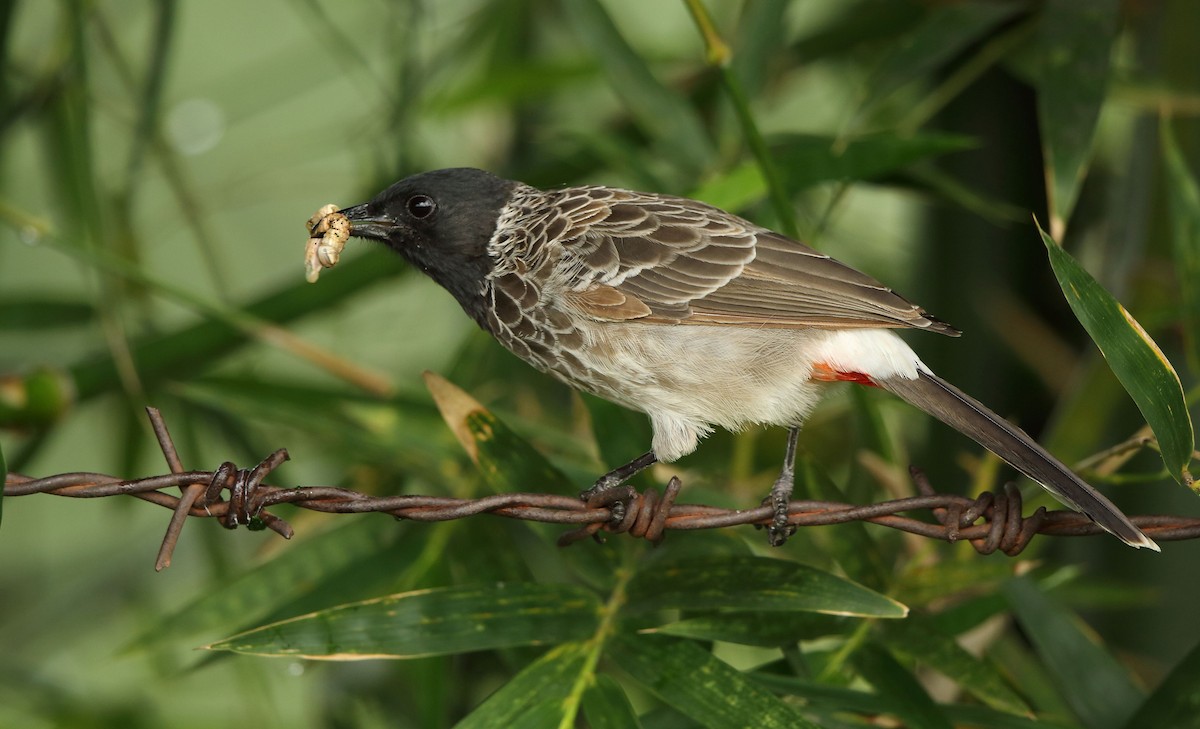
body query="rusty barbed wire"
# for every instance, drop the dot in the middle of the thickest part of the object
(239, 497)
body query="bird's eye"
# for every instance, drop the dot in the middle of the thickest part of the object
(421, 206)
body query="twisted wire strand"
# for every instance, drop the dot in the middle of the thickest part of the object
(239, 497)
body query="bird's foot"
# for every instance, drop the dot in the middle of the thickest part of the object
(779, 500)
(610, 489)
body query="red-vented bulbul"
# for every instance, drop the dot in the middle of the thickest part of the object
(685, 312)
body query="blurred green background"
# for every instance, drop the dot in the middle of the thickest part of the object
(157, 161)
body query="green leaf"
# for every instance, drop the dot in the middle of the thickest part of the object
(507, 461)
(1135, 359)
(805, 160)
(1183, 196)
(548, 679)
(755, 583)
(3, 478)
(912, 705)
(606, 706)
(438, 621)
(1175, 700)
(34, 313)
(942, 34)
(761, 628)
(1088, 676)
(1075, 40)
(664, 114)
(919, 640)
(265, 588)
(696, 684)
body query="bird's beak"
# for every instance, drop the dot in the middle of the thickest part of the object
(365, 225)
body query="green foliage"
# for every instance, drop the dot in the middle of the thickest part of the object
(151, 196)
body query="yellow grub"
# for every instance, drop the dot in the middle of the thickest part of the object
(328, 231)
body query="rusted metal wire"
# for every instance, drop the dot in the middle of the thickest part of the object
(238, 497)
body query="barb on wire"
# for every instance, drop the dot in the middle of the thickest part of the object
(238, 497)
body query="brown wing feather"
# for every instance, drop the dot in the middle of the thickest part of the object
(690, 263)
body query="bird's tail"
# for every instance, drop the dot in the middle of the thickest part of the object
(959, 410)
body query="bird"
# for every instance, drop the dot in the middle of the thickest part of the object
(692, 315)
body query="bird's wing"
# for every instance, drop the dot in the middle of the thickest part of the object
(661, 259)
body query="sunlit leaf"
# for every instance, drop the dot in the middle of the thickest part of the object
(1183, 195)
(911, 704)
(507, 461)
(738, 582)
(1135, 359)
(439, 621)
(1075, 43)
(1100, 692)
(701, 687)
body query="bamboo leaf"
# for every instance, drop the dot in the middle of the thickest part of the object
(258, 592)
(805, 160)
(661, 111)
(438, 621)
(1075, 45)
(740, 582)
(944, 32)
(1173, 703)
(912, 705)
(1088, 676)
(606, 706)
(1183, 196)
(549, 678)
(1135, 359)
(507, 461)
(3, 478)
(919, 640)
(698, 685)
(761, 628)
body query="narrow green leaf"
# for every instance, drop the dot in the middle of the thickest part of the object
(1135, 359)
(36, 313)
(3, 478)
(1098, 689)
(761, 628)
(606, 706)
(944, 32)
(852, 545)
(805, 160)
(740, 582)
(620, 433)
(1183, 196)
(549, 678)
(1075, 42)
(918, 639)
(265, 588)
(664, 114)
(826, 699)
(912, 704)
(507, 461)
(698, 685)
(1173, 704)
(439, 621)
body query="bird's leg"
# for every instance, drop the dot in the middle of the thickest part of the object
(607, 484)
(781, 494)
